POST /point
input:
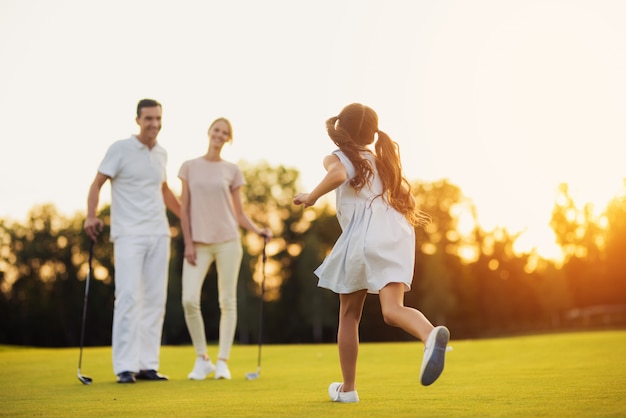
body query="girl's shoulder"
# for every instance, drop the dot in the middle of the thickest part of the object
(364, 154)
(341, 155)
(343, 158)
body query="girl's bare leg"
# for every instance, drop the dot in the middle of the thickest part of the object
(350, 311)
(396, 314)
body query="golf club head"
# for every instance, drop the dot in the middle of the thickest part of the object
(84, 379)
(252, 376)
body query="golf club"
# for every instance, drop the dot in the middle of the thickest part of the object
(255, 375)
(84, 379)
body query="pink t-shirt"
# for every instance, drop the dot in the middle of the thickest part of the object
(210, 183)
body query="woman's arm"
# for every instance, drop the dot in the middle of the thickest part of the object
(243, 219)
(185, 225)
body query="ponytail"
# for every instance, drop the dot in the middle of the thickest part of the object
(396, 188)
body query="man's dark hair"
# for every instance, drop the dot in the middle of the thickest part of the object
(147, 103)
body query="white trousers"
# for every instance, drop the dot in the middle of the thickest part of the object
(141, 271)
(227, 257)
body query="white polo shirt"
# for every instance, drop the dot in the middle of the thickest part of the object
(137, 174)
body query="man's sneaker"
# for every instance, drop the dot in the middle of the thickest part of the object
(150, 374)
(201, 369)
(125, 377)
(221, 370)
(334, 390)
(434, 355)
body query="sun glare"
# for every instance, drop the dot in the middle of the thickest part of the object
(543, 242)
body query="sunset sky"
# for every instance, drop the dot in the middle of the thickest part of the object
(506, 99)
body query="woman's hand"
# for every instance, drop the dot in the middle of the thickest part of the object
(266, 234)
(190, 254)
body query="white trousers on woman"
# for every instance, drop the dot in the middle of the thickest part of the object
(227, 257)
(141, 270)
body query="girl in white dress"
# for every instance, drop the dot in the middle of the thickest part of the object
(375, 252)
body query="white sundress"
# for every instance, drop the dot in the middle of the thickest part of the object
(377, 244)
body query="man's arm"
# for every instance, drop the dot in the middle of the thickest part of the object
(93, 225)
(171, 201)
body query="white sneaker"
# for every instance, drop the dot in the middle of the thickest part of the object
(201, 369)
(434, 355)
(334, 390)
(221, 370)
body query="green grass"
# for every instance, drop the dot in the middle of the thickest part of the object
(560, 375)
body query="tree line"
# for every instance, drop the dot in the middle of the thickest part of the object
(472, 282)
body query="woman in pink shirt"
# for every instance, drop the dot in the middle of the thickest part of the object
(211, 214)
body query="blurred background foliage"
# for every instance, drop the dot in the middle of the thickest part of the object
(471, 280)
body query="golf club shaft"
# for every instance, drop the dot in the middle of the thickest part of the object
(264, 259)
(82, 329)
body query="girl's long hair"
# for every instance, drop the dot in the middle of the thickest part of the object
(352, 130)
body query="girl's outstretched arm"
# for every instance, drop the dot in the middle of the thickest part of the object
(336, 175)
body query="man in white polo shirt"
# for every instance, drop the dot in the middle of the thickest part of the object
(141, 237)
